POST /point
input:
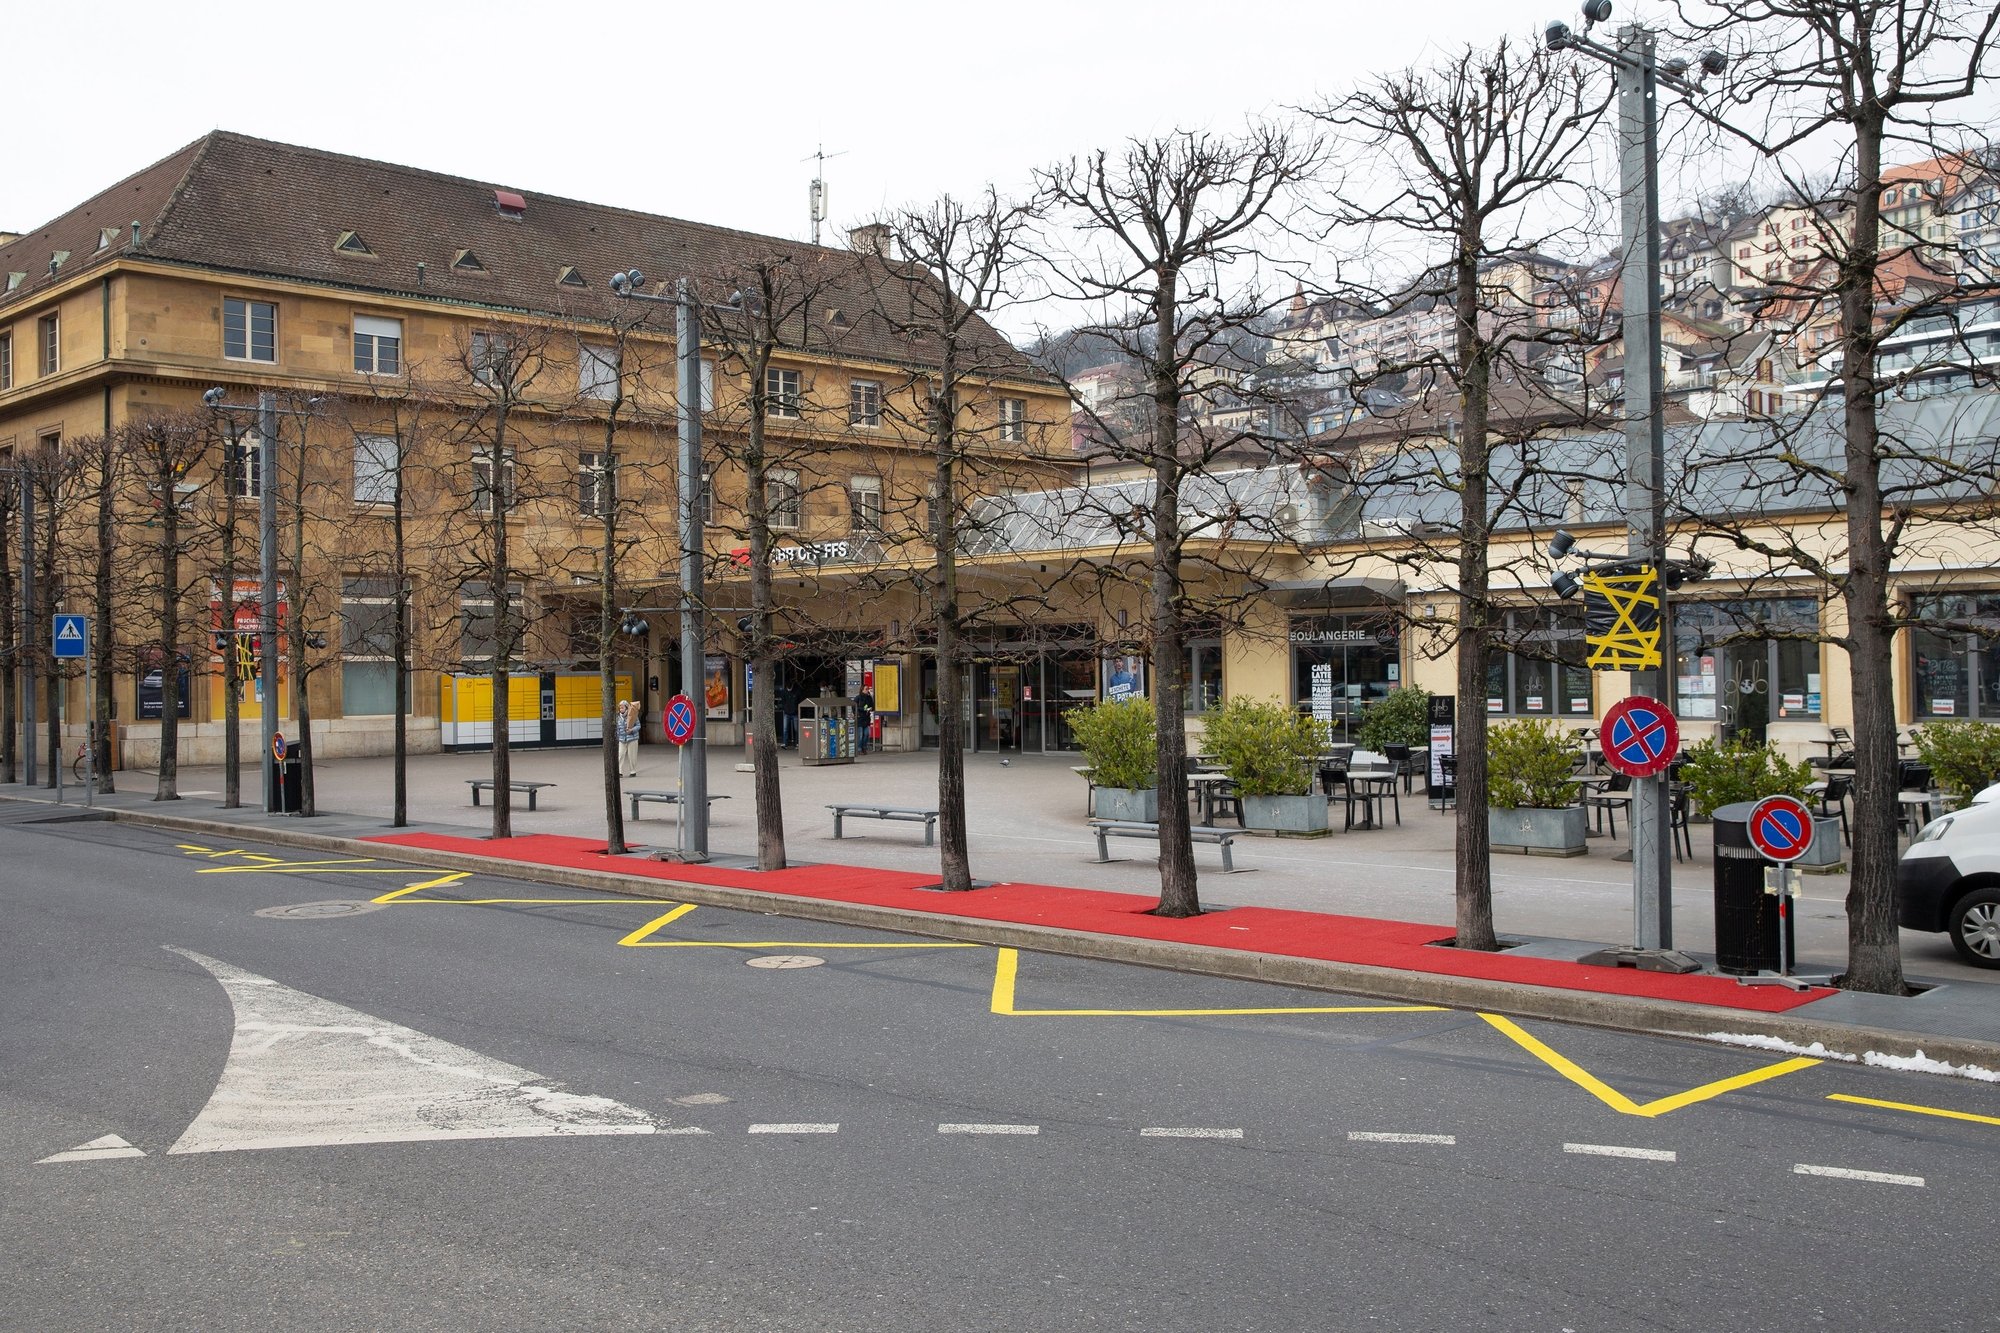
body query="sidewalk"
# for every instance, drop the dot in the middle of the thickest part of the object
(1359, 912)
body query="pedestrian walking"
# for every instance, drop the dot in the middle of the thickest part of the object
(628, 719)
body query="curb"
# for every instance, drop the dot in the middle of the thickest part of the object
(1667, 1018)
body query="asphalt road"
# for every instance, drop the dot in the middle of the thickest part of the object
(457, 1109)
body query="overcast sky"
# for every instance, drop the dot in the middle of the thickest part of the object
(706, 112)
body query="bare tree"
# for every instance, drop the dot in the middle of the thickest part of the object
(11, 478)
(960, 260)
(1476, 141)
(1859, 80)
(160, 453)
(1162, 221)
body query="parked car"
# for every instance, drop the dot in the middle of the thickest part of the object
(1949, 879)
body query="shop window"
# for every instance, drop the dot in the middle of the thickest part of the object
(1730, 666)
(368, 647)
(1956, 666)
(1342, 663)
(1539, 670)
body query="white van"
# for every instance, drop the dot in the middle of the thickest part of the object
(1949, 879)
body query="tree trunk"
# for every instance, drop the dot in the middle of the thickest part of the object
(607, 665)
(1472, 856)
(763, 740)
(10, 675)
(399, 814)
(1180, 894)
(501, 494)
(166, 789)
(954, 844)
(232, 693)
(1874, 949)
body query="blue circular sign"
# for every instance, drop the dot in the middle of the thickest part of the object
(1781, 828)
(679, 719)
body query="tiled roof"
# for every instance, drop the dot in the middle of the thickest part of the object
(232, 203)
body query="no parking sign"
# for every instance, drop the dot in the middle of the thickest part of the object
(1781, 828)
(1640, 737)
(679, 719)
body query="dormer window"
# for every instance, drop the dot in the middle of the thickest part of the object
(105, 236)
(58, 259)
(567, 276)
(467, 262)
(350, 243)
(509, 205)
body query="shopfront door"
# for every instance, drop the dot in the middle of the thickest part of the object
(1746, 691)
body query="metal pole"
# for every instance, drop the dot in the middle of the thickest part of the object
(1645, 489)
(267, 557)
(687, 353)
(27, 669)
(90, 711)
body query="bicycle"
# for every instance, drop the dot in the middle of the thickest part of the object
(79, 764)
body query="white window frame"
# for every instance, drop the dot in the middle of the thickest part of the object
(243, 467)
(48, 343)
(378, 340)
(596, 483)
(706, 499)
(707, 384)
(376, 476)
(485, 344)
(864, 505)
(482, 481)
(7, 359)
(598, 369)
(781, 392)
(864, 403)
(784, 503)
(249, 306)
(1014, 420)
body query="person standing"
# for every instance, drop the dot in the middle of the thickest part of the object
(864, 710)
(786, 701)
(628, 739)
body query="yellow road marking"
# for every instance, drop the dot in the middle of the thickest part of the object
(638, 936)
(190, 847)
(1007, 966)
(438, 883)
(330, 866)
(1617, 1100)
(502, 902)
(1914, 1109)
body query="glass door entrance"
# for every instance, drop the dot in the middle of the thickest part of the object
(1745, 704)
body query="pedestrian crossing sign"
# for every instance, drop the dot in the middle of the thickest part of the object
(71, 634)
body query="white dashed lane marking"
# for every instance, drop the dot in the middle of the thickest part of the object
(1613, 1150)
(989, 1129)
(1846, 1173)
(1362, 1136)
(795, 1129)
(1163, 1132)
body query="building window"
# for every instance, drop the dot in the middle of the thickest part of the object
(1730, 669)
(1958, 669)
(597, 484)
(1204, 675)
(781, 498)
(377, 465)
(597, 372)
(482, 481)
(378, 345)
(368, 647)
(864, 403)
(1014, 420)
(49, 340)
(781, 392)
(243, 477)
(1341, 664)
(488, 359)
(478, 630)
(705, 500)
(249, 329)
(6, 360)
(864, 504)
(933, 511)
(707, 385)
(1540, 671)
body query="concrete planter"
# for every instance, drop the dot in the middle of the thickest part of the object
(1141, 805)
(1826, 855)
(1286, 814)
(1538, 832)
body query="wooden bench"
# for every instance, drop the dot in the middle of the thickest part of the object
(664, 797)
(910, 814)
(486, 784)
(1122, 828)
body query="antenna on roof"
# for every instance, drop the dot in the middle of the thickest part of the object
(816, 196)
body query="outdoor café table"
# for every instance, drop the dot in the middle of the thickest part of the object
(1203, 785)
(1589, 785)
(1370, 787)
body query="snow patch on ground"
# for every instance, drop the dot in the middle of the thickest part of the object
(1918, 1063)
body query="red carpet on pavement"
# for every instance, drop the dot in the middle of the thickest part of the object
(1402, 945)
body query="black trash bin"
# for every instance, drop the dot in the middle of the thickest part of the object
(288, 780)
(1746, 917)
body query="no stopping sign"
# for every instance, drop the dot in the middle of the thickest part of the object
(1640, 737)
(1781, 828)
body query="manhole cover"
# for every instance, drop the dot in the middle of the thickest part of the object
(317, 911)
(784, 960)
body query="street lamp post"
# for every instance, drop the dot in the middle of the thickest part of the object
(1639, 75)
(687, 376)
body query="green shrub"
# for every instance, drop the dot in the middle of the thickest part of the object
(1722, 773)
(1119, 742)
(1529, 764)
(1400, 717)
(1267, 748)
(1963, 756)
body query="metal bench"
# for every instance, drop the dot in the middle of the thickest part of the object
(664, 797)
(486, 784)
(906, 813)
(1122, 828)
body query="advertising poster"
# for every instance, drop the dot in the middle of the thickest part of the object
(889, 689)
(715, 686)
(1125, 677)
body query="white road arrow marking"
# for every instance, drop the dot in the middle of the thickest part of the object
(95, 1150)
(305, 1072)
